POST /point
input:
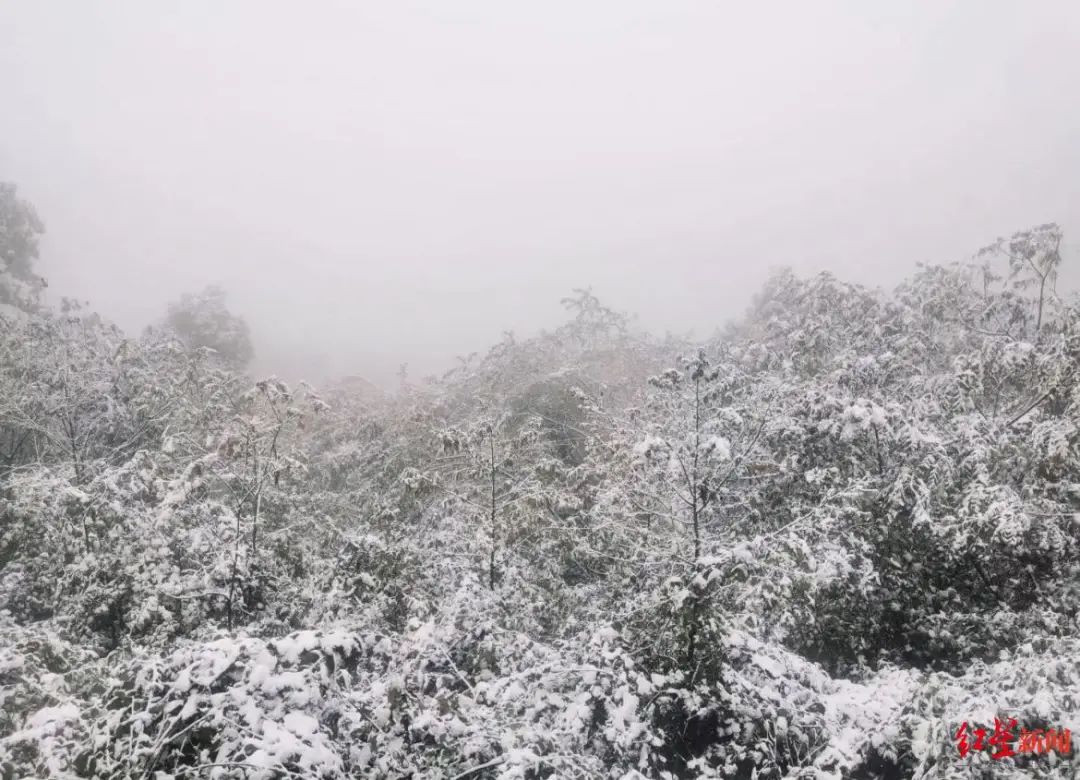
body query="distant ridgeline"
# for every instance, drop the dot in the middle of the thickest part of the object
(359, 388)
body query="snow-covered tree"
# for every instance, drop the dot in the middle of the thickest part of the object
(20, 227)
(203, 320)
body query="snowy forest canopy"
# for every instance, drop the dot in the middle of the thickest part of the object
(811, 547)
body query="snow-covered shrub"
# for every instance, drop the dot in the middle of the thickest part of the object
(1037, 685)
(236, 707)
(41, 730)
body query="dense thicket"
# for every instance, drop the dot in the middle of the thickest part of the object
(809, 547)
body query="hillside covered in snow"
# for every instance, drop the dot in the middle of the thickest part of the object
(813, 546)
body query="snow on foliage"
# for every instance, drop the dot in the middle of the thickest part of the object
(811, 546)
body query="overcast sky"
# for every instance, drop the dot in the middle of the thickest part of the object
(380, 182)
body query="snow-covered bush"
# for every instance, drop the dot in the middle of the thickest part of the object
(232, 707)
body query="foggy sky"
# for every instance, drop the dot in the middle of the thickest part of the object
(376, 183)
